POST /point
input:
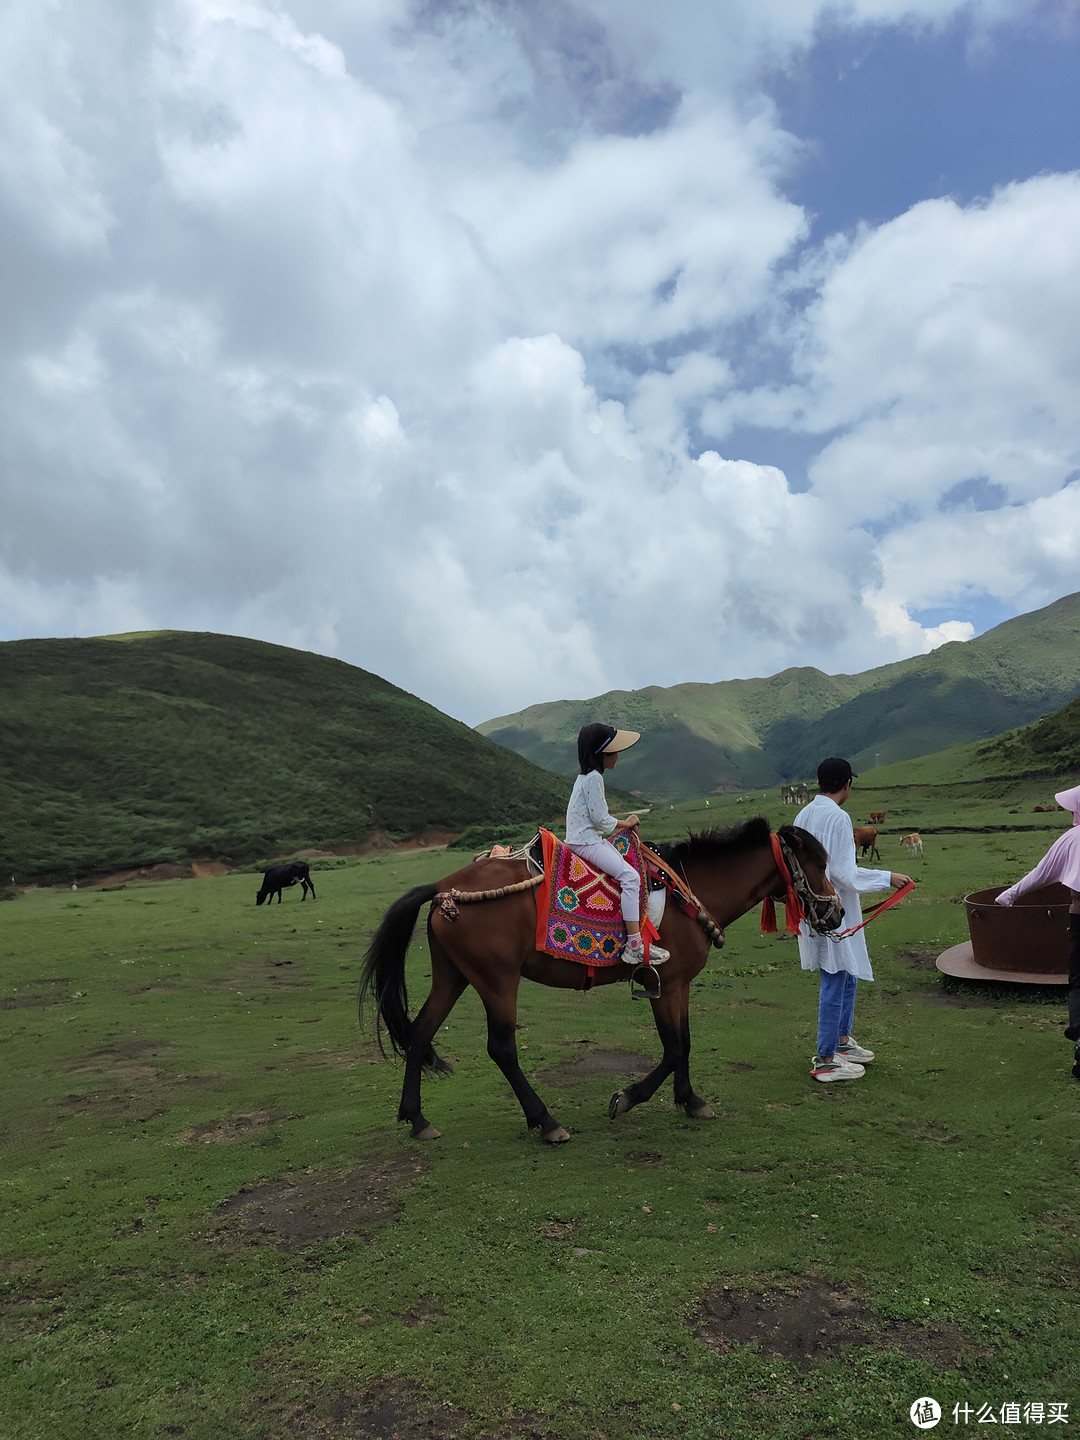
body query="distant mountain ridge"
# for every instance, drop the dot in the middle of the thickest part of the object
(173, 746)
(701, 737)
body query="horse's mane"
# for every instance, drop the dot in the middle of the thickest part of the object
(809, 843)
(714, 844)
(750, 835)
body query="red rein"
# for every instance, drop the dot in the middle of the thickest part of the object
(792, 904)
(880, 909)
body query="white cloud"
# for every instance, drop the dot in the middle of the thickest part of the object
(947, 346)
(391, 330)
(893, 623)
(1025, 554)
(639, 239)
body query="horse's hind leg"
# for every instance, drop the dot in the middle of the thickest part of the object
(502, 1047)
(447, 984)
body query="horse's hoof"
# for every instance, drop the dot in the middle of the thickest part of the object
(428, 1132)
(620, 1104)
(558, 1136)
(700, 1112)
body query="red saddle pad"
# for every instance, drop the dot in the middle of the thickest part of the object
(578, 914)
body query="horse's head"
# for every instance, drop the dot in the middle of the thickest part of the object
(806, 859)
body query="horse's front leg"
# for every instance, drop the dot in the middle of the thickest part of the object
(671, 1013)
(501, 1011)
(695, 1107)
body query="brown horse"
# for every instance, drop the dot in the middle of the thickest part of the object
(491, 945)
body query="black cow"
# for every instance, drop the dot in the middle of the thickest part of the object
(280, 877)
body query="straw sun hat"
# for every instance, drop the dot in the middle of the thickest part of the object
(621, 740)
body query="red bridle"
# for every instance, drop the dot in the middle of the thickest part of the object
(793, 909)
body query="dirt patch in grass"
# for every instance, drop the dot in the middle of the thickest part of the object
(260, 972)
(116, 1059)
(33, 1002)
(129, 1049)
(929, 1130)
(163, 871)
(918, 959)
(556, 1228)
(644, 1157)
(233, 1127)
(596, 1062)
(25, 1314)
(422, 1313)
(807, 1324)
(329, 1059)
(389, 1412)
(961, 997)
(101, 1100)
(123, 1074)
(297, 1210)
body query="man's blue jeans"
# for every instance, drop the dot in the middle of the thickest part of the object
(836, 1010)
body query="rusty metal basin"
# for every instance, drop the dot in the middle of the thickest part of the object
(1027, 943)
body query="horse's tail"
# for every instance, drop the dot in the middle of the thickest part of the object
(384, 968)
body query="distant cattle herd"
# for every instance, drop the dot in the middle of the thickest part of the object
(866, 836)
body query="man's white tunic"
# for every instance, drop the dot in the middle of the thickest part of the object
(825, 820)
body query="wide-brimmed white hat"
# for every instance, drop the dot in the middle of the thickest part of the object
(621, 740)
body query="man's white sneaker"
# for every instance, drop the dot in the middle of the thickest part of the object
(835, 1068)
(854, 1051)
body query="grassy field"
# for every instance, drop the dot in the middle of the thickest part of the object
(214, 1228)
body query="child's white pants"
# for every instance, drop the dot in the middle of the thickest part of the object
(606, 858)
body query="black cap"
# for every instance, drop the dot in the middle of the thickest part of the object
(833, 774)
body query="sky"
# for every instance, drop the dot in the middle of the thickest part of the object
(520, 350)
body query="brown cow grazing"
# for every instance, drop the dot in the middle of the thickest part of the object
(866, 841)
(877, 817)
(912, 842)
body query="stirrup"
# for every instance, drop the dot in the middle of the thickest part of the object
(649, 981)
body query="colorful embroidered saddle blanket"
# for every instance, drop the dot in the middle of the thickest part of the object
(578, 911)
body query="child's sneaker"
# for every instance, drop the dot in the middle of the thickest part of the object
(634, 952)
(835, 1068)
(854, 1051)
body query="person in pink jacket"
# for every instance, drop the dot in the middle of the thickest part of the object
(1062, 863)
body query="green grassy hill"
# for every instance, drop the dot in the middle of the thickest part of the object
(172, 746)
(1046, 750)
(698, 738)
